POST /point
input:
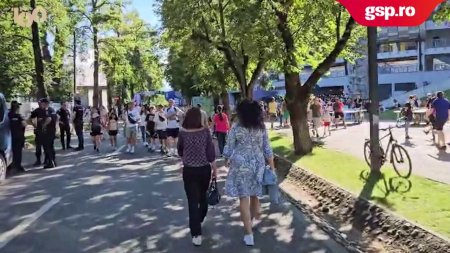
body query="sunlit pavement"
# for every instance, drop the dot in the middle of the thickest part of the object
(117, 202)
(426, 160)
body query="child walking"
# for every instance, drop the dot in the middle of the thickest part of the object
(326, 121)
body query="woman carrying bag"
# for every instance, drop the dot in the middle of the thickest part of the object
(196, 149)
(247, 151)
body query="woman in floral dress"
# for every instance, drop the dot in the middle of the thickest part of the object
(247, 152)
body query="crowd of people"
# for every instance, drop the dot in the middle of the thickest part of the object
(187, 133)
(323, 111)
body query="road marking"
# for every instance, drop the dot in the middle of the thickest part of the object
(6, 237)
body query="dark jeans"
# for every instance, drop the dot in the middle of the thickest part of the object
(65, 132)
(39, 141)
(79, 131)
(221, 140)
(17, 146)
(49, 148)
(196, 182)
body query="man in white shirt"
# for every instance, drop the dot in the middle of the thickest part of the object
(161, 127)
(132, 122)
(173, 126)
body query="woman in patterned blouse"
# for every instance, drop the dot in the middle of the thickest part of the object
(247, 152)
(198, 154)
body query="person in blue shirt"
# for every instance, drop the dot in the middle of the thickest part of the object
(441, 108)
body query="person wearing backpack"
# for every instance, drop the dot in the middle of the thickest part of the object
(133, 119)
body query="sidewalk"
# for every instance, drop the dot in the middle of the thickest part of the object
(426, 160)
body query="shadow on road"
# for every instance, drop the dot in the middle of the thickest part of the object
(136, 203)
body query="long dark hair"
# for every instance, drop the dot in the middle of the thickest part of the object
(219, 111)
(250, 114)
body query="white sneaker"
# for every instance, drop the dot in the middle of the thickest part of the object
(146, 144)
(197, 240)
(248, 239)
(128, 150)
(132, 150)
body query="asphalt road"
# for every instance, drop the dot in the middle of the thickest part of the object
(116, 202)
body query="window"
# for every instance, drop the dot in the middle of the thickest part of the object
(405, 86)
(410, 45)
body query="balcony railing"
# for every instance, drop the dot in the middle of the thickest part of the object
(430, 25)
(393, 54)
(397, 69)
(439, 43)
(338, 73)
(441, 66)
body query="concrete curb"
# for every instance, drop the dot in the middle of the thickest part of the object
(371, 218)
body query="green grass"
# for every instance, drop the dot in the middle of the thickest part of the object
(388, 115)
(426, 203)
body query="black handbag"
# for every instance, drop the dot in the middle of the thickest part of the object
(213, 193)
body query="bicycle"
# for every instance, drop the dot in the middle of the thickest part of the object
(397, 154)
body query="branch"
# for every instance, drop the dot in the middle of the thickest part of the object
(22, 37)
(257, 72)
(325, 65)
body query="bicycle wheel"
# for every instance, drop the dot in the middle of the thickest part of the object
(367, 152)
(401, 161)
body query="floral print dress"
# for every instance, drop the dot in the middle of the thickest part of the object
(247, 150)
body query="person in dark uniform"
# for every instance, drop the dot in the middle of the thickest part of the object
(64, 126)
(49, 133)
(37, 119)
(78, 123)
(17, 126)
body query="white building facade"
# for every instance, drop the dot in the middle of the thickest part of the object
(411, 60)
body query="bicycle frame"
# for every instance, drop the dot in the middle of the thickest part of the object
(390, 143)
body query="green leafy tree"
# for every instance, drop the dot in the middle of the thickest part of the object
(198, 69)
(130, 58)
(98, 14)
(313, 33)
(236, 29)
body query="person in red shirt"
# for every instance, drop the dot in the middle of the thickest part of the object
(221, 126)
(338, 108)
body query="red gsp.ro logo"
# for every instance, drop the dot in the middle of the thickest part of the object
(390, 12)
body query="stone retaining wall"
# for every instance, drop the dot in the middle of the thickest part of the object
(366, 216)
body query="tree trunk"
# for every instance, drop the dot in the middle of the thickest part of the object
(297, 96)
(38, 62)
(96, 96)
(216, 101)
(225, 102)
(248, 92)
(297, 103)
(109, 93)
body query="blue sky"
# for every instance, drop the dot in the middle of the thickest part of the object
(146, 10)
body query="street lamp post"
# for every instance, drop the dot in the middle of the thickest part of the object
(374, 114)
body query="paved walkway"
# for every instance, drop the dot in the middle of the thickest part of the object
(427, 161)
(116, 202)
